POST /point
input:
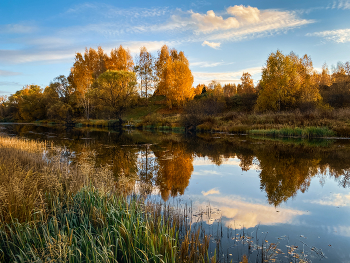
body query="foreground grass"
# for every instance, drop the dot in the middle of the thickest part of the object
(55, 211)
(91, 226)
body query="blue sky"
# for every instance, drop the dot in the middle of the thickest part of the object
(222, 39)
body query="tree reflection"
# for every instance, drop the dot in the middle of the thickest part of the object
(147, 169)
(167, 164)
(282, 175)
(175, 167)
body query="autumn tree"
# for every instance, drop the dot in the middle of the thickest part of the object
(144, 69)
(174, 77)
(215, 89)
(229, 89)
(28, 103)
(2, 106)
(119, 59)
(336, 87)
(286, 83)
(198, 90)
(247, 86)
(114, 91)
(85, 69)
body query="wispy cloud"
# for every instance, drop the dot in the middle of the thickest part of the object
(342, 4)
(339, 35)
(6, 73)
(211, 44)
(17, 29)
(56, 53)
(9, 83)
(109, 11)
(32, 55)
(211, 192)
(206, 64)
(224, 77)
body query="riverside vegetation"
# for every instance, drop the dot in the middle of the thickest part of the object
(54, 211)
(157, 93)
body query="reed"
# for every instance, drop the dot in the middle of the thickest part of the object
(53, 210)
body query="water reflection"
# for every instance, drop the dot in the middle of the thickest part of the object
(175, 167)
(166, 162)
(290, 189)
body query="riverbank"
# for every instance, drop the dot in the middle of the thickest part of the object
(55, 210)
(311, 124)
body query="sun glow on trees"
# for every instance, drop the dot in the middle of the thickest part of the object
(174, 77)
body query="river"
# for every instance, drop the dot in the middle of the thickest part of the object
(290, 196)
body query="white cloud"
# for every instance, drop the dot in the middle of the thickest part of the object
(204, 172)
(6, 73)
(271, 21)
(339, 36)
(225, 161)
(210, 22)
(238, 23)
(211, 44)
(248, 14)
(238, 212)
(337, 200)
(211, 192)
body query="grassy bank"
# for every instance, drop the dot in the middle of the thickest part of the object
(308, 132)
(54, 210)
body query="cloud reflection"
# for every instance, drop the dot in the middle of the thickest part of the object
(238, 213)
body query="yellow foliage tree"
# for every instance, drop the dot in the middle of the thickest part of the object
(174, 77)
(286, 83)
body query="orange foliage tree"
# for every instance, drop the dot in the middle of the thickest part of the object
(93, 63)
(174, 77)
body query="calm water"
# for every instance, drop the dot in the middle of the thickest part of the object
(291, 195)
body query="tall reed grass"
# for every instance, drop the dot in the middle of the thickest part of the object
(52, 210)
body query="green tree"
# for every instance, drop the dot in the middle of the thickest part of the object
(114, 91)
(28, 103)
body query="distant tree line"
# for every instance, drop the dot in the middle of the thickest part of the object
(102, 85)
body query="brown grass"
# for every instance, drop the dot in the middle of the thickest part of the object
(29, 170)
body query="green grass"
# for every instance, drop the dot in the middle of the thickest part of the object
(92, 226)
(307, 132)
(140, 112)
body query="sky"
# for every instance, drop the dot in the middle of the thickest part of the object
(221, 39)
